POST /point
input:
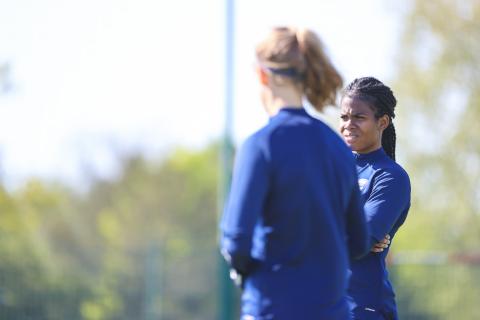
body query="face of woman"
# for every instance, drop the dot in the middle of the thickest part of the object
(358, 126)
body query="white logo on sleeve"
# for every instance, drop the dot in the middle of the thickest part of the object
(362, 183)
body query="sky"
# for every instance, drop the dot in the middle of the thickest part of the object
(94, 79)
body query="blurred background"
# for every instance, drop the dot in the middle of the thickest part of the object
(117, 122)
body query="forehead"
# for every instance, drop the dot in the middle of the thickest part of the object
(355, 105)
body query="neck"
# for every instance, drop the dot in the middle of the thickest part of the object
(285, 98)
(371, 149)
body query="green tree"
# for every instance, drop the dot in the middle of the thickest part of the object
(138, 245)
(438, 88)
(170, 206)
(34, 280)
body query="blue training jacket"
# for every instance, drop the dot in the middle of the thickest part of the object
(293, 218)
(385, 187)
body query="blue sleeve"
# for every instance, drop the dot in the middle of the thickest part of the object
(245, 204)
(357, 228)
(389, 198)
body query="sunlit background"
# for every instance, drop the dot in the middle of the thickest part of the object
(111, 122)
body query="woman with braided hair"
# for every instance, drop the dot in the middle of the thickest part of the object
(294, 214)
(367, 112)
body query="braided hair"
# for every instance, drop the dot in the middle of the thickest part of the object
(380, 97)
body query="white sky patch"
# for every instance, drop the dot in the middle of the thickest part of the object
(150, 74)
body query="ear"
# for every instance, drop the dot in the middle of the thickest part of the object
(262, 76)
(383, 122)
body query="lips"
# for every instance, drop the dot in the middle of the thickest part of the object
(350, 137)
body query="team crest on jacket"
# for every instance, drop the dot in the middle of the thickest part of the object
(362, 183)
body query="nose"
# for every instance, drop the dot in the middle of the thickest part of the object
(347, 124)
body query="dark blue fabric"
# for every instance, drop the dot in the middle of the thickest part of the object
(293, 218)
(385, 187)
(287, 72)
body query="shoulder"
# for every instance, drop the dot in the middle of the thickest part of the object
(391, 172)
(254, 141)
(257, 144)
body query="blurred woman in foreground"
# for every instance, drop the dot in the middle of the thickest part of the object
(294, 214)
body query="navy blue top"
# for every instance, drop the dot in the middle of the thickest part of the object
(293, 217)
(385, 187)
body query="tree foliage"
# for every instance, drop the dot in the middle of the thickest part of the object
(143, 244)
(438, 88)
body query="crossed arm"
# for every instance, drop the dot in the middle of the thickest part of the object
(388, 199)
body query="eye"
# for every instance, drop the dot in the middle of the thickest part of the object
(344, 117)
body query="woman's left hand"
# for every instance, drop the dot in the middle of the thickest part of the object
(382, 245)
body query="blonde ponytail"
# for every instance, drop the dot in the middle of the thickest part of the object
(301, 53)
(321, 80)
